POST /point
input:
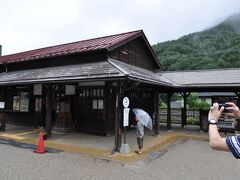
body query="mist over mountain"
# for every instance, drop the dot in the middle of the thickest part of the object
(214, 48)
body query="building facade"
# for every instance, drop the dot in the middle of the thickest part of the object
(79, 86)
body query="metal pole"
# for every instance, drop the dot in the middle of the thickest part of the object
(124, 135)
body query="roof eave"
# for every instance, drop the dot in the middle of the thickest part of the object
(211, 85)
(48, 56)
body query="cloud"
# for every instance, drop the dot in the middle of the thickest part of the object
(31, 24)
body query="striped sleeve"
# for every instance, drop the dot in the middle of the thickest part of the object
(233, 143)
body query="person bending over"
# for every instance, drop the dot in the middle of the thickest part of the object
(140, 134)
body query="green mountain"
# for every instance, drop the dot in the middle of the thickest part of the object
(214, 48)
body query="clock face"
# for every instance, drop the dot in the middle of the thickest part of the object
(212, 121)
(125, 102)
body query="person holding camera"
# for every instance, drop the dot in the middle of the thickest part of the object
(231, 143)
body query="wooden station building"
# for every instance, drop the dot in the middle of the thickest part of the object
(80, 85)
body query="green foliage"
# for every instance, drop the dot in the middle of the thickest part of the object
(194, 102)
(218, 47)
(176, 96)
(41, 129)
(192, 121)
(163, 105)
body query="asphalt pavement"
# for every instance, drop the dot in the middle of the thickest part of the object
(183, 159)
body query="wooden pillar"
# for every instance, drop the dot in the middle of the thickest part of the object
(184, 122)
(49, 107)
(120, 118)
(184, 110)
(169, 95)
(201, 119)
(117, 130)
(156, 125)
(2, 119)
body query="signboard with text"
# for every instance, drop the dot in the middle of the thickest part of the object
(126, 117)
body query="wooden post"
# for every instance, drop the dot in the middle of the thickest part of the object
(156, 127)
(169, 95)
(120, 118)
(184, 110)
(3, 122)
(117, 123)
(200, 119)
(49, 106)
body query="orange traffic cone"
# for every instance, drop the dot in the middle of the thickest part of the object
(40, 149)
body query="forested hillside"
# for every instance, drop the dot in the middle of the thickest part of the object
(217, 47)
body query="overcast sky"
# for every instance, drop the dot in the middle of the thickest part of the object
(29, 24)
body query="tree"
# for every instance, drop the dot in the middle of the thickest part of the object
(194, 102)
(217, 47)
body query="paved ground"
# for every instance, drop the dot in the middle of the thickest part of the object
(100, 146)
(183, 153)
(184, 159)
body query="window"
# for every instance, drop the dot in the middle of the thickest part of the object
(98, 104)
(93, 96)
(24, 101)
(38, 104)
(16, 103)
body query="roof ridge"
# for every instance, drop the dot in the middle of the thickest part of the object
(64, 44)
(108, 36)
(94, 44)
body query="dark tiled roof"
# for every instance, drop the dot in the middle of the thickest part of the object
(84, 72)
(62, 73)
(140, 74)
(204, 78)
(212, 94)
(106, 42)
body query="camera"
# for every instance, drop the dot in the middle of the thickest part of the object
(223, 105)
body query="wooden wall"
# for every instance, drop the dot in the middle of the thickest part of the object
(135, 53)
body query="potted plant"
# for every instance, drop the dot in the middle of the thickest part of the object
(41, 129)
